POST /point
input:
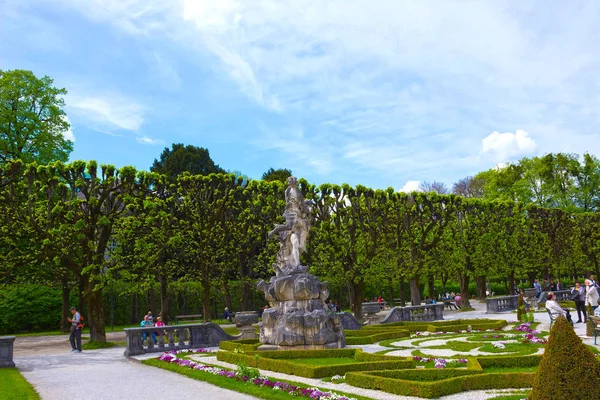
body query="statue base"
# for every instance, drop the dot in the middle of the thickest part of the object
(299, 318)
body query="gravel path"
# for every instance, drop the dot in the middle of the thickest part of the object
(108, 375)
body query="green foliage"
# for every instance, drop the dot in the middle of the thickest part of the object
(29, 308)
(244, 345)
(14, 387)
(32, 119)
(281, 175)
(567, 366)
(451, 381)
(280, 361)
(248, 372)
(179, 159)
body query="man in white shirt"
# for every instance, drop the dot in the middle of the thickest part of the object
(555, 308)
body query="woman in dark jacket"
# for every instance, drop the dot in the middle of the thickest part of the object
(578, 296)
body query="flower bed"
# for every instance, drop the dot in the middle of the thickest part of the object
(260, 381)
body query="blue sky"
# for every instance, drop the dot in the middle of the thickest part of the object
(384, 93)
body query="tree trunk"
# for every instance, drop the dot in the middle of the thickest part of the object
(357, 293)
(431, 286)
(480, 282)
(463, 278)
(391, 292)
(227, 292)
(402, 294)
(64, 324)
(531, 276)
(415, 294)
(95, 314)
(511, 283)
(153, 306)
(206, 299)
(82, 289)
(164, 299)
(246, 293)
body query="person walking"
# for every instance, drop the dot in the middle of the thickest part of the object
(591, 294)
(578, 296)
(75, 331)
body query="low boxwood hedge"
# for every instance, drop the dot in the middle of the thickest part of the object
(276, 361)
(468, 380)
(374, 336)
(244, 345)
(509, 361)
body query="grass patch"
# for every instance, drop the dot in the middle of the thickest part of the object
(101, 345)
(14, 387)
(232, 384)
(457, 346)
(516, 349)
(324, 361)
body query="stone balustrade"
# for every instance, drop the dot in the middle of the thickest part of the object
(427, 312)
(174, 337)
(496, 305)
(562, 295)
(6, 351)
(349, 321)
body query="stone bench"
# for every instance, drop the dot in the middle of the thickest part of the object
(6, 351)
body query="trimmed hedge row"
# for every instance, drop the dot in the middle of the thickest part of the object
(467, 381)
(279, 364)
(244, 345)
(295, 354)
(436, 326)
(509, 361)
(373, 336)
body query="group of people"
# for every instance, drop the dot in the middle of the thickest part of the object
(584, 295)
(148, 321)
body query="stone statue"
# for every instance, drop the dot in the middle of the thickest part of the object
(294, 232)
(299, 317)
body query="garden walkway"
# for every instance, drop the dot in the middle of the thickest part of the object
(107, 374)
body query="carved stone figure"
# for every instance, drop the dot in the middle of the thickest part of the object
(298, 317)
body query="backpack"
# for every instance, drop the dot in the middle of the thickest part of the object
(81, 323)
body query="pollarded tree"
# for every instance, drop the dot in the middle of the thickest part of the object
(425, 218)
(98, 204)
(32, 119)
(206, 203)
(149, 239)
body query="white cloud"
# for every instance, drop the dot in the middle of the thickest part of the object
(112, 109)
(506, 146)
(147, 140)
(410, 186)
(399, 87)
(68, 134)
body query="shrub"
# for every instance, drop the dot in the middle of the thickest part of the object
(244, 345)
(29, 308)
(567, 367)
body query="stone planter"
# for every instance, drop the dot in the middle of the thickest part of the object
(244, 321)
(6, 352)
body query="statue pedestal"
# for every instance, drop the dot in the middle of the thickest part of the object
(298, 317)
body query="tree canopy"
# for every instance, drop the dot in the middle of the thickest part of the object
(178, 159)
(32, 119)
(280, 175)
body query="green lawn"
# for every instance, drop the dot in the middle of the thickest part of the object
(101, 345)
(457, 346)
(14, 387)
(319, 362)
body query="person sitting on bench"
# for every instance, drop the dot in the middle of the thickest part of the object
(555, 308)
